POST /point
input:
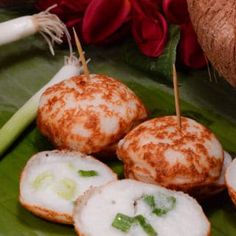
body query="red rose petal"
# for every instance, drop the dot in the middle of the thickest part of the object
(69, 11)
(72, 6)
(103, 18)
(149, 28)
(176, 11)
(190, 51)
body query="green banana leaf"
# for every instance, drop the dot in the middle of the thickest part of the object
(26, 65)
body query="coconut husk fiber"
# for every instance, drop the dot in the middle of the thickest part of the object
(215, 24)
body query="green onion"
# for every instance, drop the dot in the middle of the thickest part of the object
(162, 205)
(150, 200)
(148, 229)
(70, 166)
(27, 113)
(88, 173)
(169, 205)
(159, 211)
(42, 179)
(123, 222)
(66, 188)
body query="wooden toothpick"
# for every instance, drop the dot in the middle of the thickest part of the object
(81, 54)
(176, 92)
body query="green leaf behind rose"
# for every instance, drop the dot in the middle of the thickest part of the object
(160, 66)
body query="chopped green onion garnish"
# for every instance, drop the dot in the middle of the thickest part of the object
(66, 188)
(88, 173)
(161, 205)
(159, 211)
(42, 179)
(71, 166)
(162, 209)
(123, 222)
(150, 200)
(148, 229)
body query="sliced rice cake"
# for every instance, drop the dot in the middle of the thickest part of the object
(52, 180)
(132, 208)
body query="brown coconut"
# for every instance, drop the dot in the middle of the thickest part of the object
(214, 22)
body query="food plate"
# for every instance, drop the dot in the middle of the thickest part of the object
(26, 65)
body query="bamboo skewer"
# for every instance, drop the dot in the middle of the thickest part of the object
(176, 93)
(81, 54)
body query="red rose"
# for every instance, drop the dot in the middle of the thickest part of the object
(159, 3)
(96, 21)
(176, 11)
(103, 20)
(190, 51)
(149, 27)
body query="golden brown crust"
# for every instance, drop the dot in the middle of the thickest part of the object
(209, 228)
(48, 214)
(207, 191)
(62, 123)
(81, 234)
(232, 194)
(209, 234)
(230, 182)
(78, 233)
(146, 160)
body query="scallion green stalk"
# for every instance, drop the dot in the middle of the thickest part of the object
(27, 113)
(123, 222)
(66, 188)
(88, 173)
(150, 200)
(147, 228)
(167, 203)
(41, 179)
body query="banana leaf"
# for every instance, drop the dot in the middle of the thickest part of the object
(26, 65)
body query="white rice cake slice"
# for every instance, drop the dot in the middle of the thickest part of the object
(52, 180)
(230, 178)
(133, 208)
